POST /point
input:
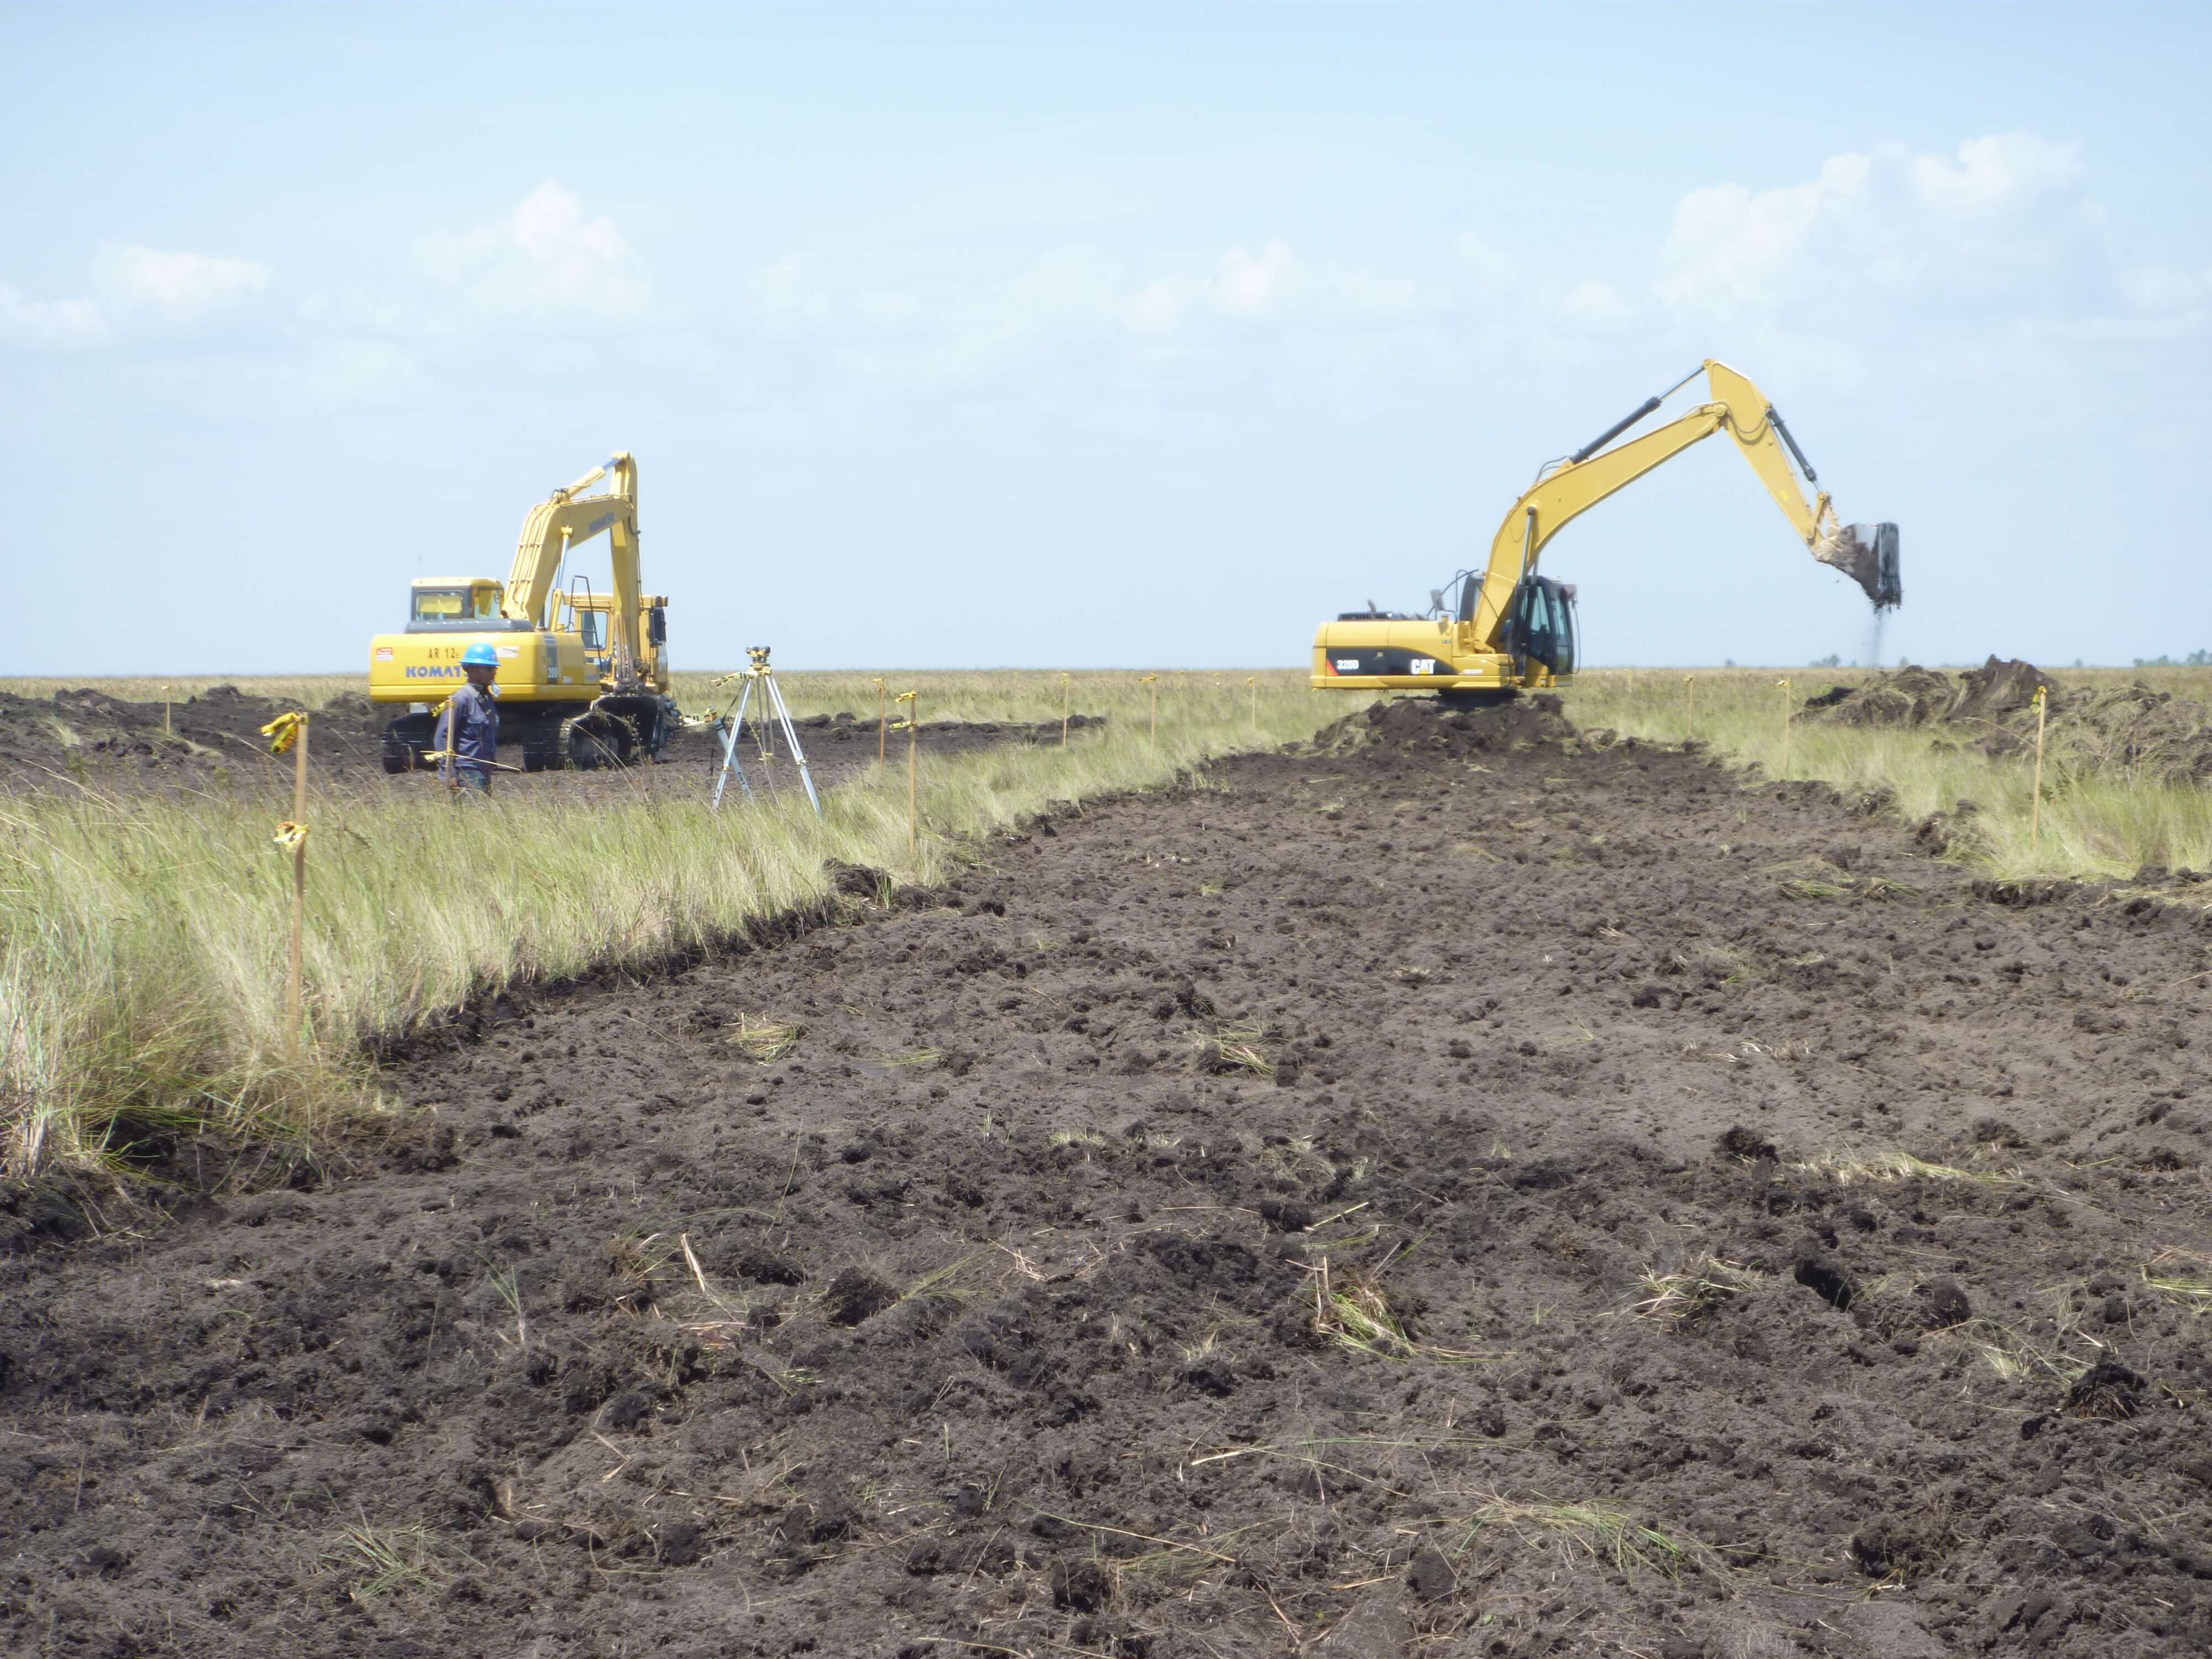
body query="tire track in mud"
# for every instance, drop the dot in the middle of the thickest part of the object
(1440, 1193)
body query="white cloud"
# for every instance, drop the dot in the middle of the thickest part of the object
(1247, 284)
(1995, 174)
(1729, 242)
(783, 294)
(1994, 252)
(964, 326)
(48, 322)
(1594, 305)
(1275, 282)
(1503, 309)
(1157, 308)
(357, 371)
(177, 285)
(1490, 269)
(543, 259)
(2005, 219)
(132, 283)
(2161, 291)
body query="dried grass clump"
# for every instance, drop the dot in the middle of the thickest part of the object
(1697, 1288)
(1594, 1528)
(1352, 1310)
(765, 1039)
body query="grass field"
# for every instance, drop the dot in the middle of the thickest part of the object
(142, 940)
(2105, 824)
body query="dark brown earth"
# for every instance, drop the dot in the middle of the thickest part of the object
(87, 739)
(2088, 730)
(1006, 1312)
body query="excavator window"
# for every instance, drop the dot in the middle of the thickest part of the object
(1543, 625)
(1537, 626)
(591, 625)
(440, 604)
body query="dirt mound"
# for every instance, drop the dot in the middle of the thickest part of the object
(1909, 697)
(1927, 697)
(2130, 728)
(1997, 689)
(85, 735)
(1991, 710)
(1429, 725)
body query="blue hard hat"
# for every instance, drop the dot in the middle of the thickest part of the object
(480, 656)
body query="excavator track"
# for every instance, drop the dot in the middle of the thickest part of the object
(589, 742)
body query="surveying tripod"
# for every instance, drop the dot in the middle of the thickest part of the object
(759, 676)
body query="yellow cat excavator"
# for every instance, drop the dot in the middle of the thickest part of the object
(1507, 628)
(583, 676)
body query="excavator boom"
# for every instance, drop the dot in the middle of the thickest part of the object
(564, 521)
(1483, 647)
(1738, 407)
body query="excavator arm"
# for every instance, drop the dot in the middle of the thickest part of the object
(1594, 472)
(564, 522)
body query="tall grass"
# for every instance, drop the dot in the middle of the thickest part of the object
(143, 939)
(2105, 824)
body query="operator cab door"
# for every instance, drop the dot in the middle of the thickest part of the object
(1540, 632)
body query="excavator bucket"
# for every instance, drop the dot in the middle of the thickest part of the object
(1867, 553)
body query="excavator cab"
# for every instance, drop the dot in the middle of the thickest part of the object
(1540, 629)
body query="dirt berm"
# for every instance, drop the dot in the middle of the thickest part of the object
(1991, 710)
(1461, 1191)
(87, 739)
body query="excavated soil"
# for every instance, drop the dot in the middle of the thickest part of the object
(1991, 710)
(87, 739)
(1451, 1191)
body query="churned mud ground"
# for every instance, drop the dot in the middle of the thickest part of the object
(1455, 1191)
(213, 742)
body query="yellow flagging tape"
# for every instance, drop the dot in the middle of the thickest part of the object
(290, 836)
(283, 732)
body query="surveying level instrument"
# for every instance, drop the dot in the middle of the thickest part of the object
(757, 675)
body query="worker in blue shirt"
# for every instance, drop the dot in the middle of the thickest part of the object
(468, 728)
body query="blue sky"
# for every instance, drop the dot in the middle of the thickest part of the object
(1093, 335)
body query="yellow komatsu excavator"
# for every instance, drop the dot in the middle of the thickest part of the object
(583, 676)
(1508, 629)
